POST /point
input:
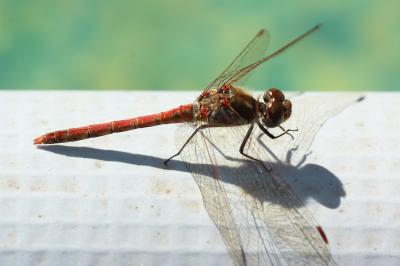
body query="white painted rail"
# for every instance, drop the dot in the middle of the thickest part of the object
(111, 201)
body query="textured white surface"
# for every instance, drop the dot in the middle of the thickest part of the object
(111, 201)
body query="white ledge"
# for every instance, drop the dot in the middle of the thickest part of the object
(110, 200)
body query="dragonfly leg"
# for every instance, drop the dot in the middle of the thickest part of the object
(246, 138)
(285, 131)
(186, 142)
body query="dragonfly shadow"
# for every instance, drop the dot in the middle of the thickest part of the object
(113, 156)
(310, 181)
(316, 182)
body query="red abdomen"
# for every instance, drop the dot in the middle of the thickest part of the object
(183, 113)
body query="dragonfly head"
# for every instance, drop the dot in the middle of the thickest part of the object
(277, 109)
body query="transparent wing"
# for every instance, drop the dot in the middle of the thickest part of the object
(253, 51)
(310, 111)
(250, 58)
(241, 73)
(199, 158)
(288, 233)
(259, 218)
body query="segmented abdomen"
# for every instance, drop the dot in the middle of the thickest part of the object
(183, 113)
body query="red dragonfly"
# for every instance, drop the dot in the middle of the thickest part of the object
(260, 219)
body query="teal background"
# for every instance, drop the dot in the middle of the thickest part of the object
(183, 45)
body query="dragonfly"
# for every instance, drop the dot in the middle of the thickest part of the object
(260, 219)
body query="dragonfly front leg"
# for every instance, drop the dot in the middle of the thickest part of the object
(186, 142)
(273, 136)
(288, 130)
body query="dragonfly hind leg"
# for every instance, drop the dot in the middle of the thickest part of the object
(184, 144)
(246, 138)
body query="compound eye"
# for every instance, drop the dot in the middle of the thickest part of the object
(273, 93)
(274, 114)
(266, 97)
(287, 106)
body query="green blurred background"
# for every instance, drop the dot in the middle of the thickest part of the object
(183, 45)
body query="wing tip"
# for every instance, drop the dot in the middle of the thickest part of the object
(261, 32)
(361, 98)
(322, 233)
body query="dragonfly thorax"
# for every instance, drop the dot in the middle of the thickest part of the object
(275, 109)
